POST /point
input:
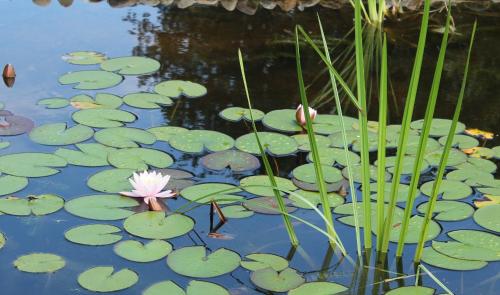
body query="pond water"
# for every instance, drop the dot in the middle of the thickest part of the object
(200, 44)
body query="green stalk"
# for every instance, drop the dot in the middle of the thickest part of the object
(433, 277)
(372, 10)
(363, 118)
(382, 125)
(408, 112)
(281, 204)
(424, 136)
(381, 11)
(344, 139)
(444, 156)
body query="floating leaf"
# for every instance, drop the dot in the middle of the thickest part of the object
(261, 186)
(90, 155)
(236, 211)
(84, 57)
(354, 140)
(461, 141)
(480, 152)
(194, 288)
(478, 239)
(274, 143)
(307, 173)
(236, 114)
(91, 80)
(101, 207)
(131, 65)
(164, 287)
(36, 205)
(356, 173)
(258, 261)
(439, 127)
(164, 133)
(235, 160)
(4, 144)
(111, 180)
(496, 150)
(472, 177)
(329, 124)
(139, 252)
(411, 290)
(414, 229)
(414, 142)
(60, 134)
(179, 179)
(489, 190)
(155, 225)
(434, 258)
(480, 133)
(223, 193)
(105, 279)
(313, 187)
(315, 198)
(196, 141)
(407, 165)
(330, 156)
(94, 234)
(102, 101)
(267, 205)
(450, 189)
(15, 125)
(449, 210)
(463, 251)
(39, 263)
(31, 164)
(124, 137)
(194, 262)
(478, 164)
(402, 196)
(53, 103)
(282, 120)
(322, 142)
(348, 209)
(269, 279)
(103, 118)
(144, 100)
(455, 157)
(319, 288)
(139, 158)
(488, 217)
(487, 200)
(11, 184)
(176, 88)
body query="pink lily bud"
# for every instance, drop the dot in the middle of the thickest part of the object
(301, 117)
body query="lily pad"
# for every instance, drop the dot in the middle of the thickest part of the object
(101, 207)
(322, 142)
(111, 180)
(91, 80)
(196, 141)
(282, 120)
(84, 57)
(413, 232)
(139, 158)
(194, 262)
(480, 152)
(496, 150)
(407, 166)
(461, 141)
(155, 225)
(356, 173)
(53, 103)
(348, 209)
(330, 124)
(488, 217)
(439, 127)
(31, 164)
(60, 134)
(402, 196)
(464, 251)
(269, 279)
(164, 133)
(15, 125)
(313, 187)
(179, 179)
(124, 137)
(176, 88)
(101, 101)
(314, 197)
(4, 144)
(267, 205)
(94, 234)
(103, 118)
(450, 189)
(11, 184)
(481, 241)
(236, 211)
(472, 177)
(236, 114)
(89, 155)
(320, 288)
(449, 210)
(274, 143)
(478, 164)
(487, 200)
(131, 65)
(139, 252)
(144, 100)
(36, 205)
(411, 290)
(260, 185)
(354, 139)
(194, 288)
(39, 263)
(105, 279)
(235, 160)
(455, 158)
(434, 258)
(223, 193)
(330, 156)
(307, 173)
(258, 261)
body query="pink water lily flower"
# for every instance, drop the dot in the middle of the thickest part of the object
(149, 185)
(301, 117)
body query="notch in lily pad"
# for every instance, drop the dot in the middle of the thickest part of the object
(177, 88)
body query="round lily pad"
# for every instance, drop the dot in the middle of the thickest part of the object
(84, 57)
(434, 258)
(39, 263)
(356, 173)
(11, 184)
(194, 262)
(269, 279)
(488, 217)
(105, 279)
(103, 118)
(439, 127)
(124, 137)
(413, 232)
(144, 100)
(101, 207)
(315, 198)
(194, 288)
(478, 164)
(15, 125)
(322, 142)
(139, 158)
(472, 177)
(139, 252)
(236, 114)
(479, 240)
(461, 141)
(407, 165)
(402, 195)
(260, 185)
(53, 102)
(313, 187)
(111, 180)
(101, 101)
(449, 210)
(235, 160)
(282, 120)
(36, 205)
(179, 179)
(496, 150)
(223, 193)
(413, 290)
(274, 143)
(455, 158)
(131, 65)
(236, 211)
(60, 134)
(480, 152)
(348, 209)
(91, 80)
(164, 133)
(176, 88)
(94, 234)
(354, 138)
(319, 288)
(329, 124)
(89, 155)
(330, 156)
(196, 141)
(155, 225)
(307, 173)
(258, 261)
(414, 142)
(267, 205)
(464, 251)
(31, 164)
(450, 189)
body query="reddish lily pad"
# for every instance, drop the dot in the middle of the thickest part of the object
(11, 124)
(267, 205)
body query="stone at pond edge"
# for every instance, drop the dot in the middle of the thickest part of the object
(105, 279)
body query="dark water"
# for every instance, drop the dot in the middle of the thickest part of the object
(200, 44)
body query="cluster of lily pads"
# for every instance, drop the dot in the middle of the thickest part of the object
(99, 137)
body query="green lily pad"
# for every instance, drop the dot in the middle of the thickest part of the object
(144, 100)
(478, 164)
(196, 141)
(479, 240)
(496, 150)
(101, 101)
(464, 251)
(39, 263)
(131, 65)
(31, 164)
(103, 118)
(461, 141)
(91, 80)
(11, 184)
(267, 205)
(139, 158)
(413, 232)
(407, 166)
(471, 177)
(269, 279)
(105, 279)
(402, 196)
(490, 190)
(235, 160)
(53, 103)
(260, 185)
(94, 234)
(313, 187)
(164, 133)
(84, 57)
(60, 134)
(439, 127)
(449, 210)
(194, 262)
(258, 261)
(330, 156)
(354, 138)
(236, 211)
(222, 193)
(450, 189)
(319, 288)
(348, 209)
(101, 207)
(176, 88)
(124, 137)
(434, 258)
(488, 217)
(455, 158)
(411, 290)
(89, 155)
(315, 198)
(414, 142)
(322, 142)
(155, 225)
(4, 144)
(111, 180)
(194, 288)
(282, 120)
(274, 143)
(356, 173)
(480, 152)
(330, 124)
(36, 205)
(236, 114)
(139, 252)
(307, 173)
